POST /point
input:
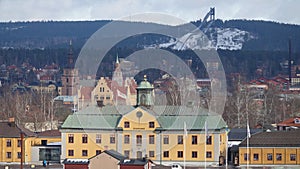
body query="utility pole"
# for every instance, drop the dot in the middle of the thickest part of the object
(22, 151)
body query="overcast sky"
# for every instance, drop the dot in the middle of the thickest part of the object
(285, 11)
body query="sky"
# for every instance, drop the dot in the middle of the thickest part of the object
(283, 11)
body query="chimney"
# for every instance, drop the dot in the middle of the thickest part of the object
(100, 103)
(11, 119)
(11, 122)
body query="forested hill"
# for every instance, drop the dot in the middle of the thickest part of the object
(48, 34)
(226, 35)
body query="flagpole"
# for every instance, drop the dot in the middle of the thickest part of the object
(226, 149)
(205, 134)
(248, 132)
(184, 143)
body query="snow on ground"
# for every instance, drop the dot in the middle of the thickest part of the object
(225, 38)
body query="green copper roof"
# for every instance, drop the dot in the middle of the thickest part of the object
(192, 122)
(145, 84)
(94, 117)
(91, 121)
(169, 118)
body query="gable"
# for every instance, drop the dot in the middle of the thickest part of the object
(138, 120)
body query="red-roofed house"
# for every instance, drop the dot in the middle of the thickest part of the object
(289, 124)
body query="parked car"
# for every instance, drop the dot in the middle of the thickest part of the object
(176, 166)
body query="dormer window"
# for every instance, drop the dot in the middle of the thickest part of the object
(126, 124)
(151, 124)
(296, 121)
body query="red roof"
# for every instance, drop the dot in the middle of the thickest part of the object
(294, 121)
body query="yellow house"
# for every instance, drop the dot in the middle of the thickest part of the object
(12, 139)
(17, 142)
(271, 148)
(165, 134)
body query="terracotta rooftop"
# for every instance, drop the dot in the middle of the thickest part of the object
(295, 122)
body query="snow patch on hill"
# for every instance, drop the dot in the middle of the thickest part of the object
(232, 38)
(216, 38)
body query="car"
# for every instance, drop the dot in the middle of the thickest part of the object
(176, 166)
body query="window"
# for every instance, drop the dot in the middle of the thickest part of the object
(107, 98)
(179, 154)
(269, 157)
(19, 155)
(151, 124)
(98, 152)
(208, 140)
(8, 154)
(44, 142)
(278, 156)
(126, 124)
(166, 154)
(151, 153)
(208, 154)
(194, 139)
(101, 89)
(180, 139)
(71, 138)
(166, 139)
(70, 152)
(246, 157)
(84, 138)
(255, 157)
(151, 139)
(194, 154)
(49, 154)
(139, 139)
(126, 139)
(98, 138)
(112, 139)
(8, 143)
(293, 157)
(84, 153)
(126, 153)
(19, 143)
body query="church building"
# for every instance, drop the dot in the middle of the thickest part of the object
(70, 78)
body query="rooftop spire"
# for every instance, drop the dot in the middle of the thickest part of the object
(70, 55)
(117, 59)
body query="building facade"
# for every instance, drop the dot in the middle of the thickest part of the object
(271, 148)
(155, 132)
(17, 142)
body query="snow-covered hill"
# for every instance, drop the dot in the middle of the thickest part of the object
(216, 38)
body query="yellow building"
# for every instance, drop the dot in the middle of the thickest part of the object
(17, 142)
(11, 142)
(115, 91)
(146, 130)
(271, 148)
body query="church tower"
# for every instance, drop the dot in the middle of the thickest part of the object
(145, 93)
(117, 75)
(70, 78)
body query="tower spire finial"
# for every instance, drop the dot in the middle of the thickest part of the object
(117, 59)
